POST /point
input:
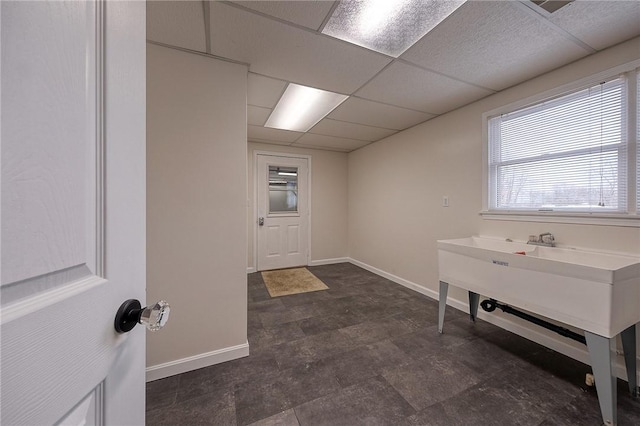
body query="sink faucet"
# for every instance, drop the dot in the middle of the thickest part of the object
(545, 239)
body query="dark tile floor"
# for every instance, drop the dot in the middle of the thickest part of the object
(367, 352)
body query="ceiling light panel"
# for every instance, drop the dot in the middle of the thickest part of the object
(387, 26)
(301, 107)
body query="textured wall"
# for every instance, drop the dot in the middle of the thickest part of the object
(196, 202)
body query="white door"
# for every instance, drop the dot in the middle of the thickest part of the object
(282, 211)
(73, 211)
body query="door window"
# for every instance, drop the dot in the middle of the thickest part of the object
(283, 189)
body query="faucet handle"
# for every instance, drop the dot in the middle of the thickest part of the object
(547, 238)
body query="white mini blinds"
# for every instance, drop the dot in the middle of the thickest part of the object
(568, 153)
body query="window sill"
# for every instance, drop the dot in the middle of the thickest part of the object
(611, 219)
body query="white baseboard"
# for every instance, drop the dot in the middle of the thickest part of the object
(579, 354)
(183, 365)
(328, 261)
(252, 269)
(406, 283)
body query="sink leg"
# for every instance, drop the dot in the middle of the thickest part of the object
(629, 348)
(474, 299)
(442, 304)
(600, 353)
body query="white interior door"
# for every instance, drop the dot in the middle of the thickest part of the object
(73, 211)
(282, 211)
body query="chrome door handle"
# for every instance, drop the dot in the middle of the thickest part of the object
(130, 313)
(261, 221)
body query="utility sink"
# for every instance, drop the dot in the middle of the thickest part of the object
(597, 292)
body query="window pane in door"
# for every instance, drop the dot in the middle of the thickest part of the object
(283, 189)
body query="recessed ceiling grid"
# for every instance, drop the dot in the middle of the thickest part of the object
(481, 48)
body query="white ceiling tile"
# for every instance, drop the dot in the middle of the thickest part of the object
(600, 24)
(264, 91)
(309, 14)
(348, 130)
(500, 45)
(321, 148)
(274, 135)
(321, 141)
(257, 116)
(289, 53)
(177, 23)
(371, 113)
(270, 142)
(411, 87)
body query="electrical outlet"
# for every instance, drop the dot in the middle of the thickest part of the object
(445, 201)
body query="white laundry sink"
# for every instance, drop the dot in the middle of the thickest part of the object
(597, 292)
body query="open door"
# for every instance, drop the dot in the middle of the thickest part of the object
(73, 211)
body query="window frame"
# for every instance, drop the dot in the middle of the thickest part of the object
(631, 217)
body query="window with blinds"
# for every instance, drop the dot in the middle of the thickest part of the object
(564, 154)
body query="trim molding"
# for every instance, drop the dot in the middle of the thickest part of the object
(207, 359)
(252, 269)
(329, 261)
(557, 345)
(256, 154)
(406, 283)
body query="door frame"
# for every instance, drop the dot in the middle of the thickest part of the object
(256, 153)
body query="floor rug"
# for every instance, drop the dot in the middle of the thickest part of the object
(282, 282)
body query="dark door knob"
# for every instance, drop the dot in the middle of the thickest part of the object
(130, 313)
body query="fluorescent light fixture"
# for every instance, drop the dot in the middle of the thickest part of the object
(301, 107)
(287, 173)
(387, 26)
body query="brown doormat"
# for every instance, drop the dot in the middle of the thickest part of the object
(282, 282)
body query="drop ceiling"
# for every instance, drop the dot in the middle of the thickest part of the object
(480, 49)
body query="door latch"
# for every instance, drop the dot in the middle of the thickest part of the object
(261, 221)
